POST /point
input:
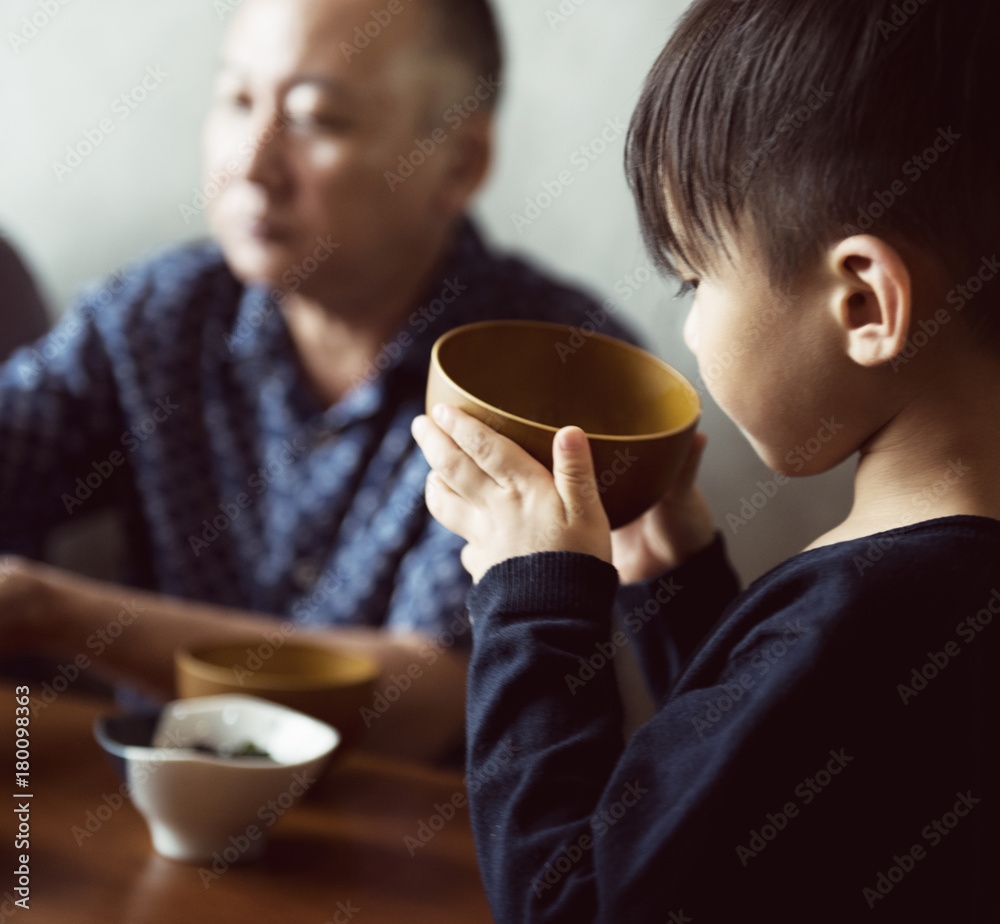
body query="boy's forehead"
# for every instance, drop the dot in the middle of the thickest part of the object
(697, 255)
(693, 251)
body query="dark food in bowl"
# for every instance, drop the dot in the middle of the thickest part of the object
(234, 752)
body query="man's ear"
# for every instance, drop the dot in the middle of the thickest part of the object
(873, 298)
(469, 154)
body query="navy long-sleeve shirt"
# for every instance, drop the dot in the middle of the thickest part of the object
(825, 747)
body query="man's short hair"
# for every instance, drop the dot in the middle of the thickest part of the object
(815, 120)
(467, 31)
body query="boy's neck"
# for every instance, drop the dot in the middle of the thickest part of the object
(939, 456)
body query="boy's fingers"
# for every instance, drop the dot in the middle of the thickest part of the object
(500, 458)
(460, 473)
(445, 505)
(689, 471)
(470, 561)
(573, 468)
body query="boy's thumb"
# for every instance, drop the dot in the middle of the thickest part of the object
(573, 467)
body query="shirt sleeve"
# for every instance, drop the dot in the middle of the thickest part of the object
(58, 411)
(573, 827)
(542, 738)
(668, 617)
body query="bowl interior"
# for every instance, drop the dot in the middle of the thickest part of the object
(220, 723)
(291, 667)
(531, 370)
(229, 722)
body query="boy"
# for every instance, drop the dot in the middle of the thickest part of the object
(825, 746)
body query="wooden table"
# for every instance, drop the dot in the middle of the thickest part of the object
(339, 856)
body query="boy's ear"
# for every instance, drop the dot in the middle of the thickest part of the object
(873, 298)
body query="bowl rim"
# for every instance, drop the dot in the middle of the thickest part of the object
(162, 753)
(188, 659)
(678, 376)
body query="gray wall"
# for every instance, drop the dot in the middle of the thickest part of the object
(571, 77)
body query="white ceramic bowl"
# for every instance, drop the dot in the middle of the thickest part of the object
(203, 807)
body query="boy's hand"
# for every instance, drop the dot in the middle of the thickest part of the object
(679, 526)
(504, 503)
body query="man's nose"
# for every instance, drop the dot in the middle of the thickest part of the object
(266, 163)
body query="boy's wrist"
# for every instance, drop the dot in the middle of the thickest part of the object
(545, 582)
(685, 545)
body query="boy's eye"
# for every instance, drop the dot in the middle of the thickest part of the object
(686, 288)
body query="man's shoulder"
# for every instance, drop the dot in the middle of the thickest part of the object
(171, 282)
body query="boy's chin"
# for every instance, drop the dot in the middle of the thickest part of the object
(779, 459)
(795, 463)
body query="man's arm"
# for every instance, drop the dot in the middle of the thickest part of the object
(58, 414)
(54, 613)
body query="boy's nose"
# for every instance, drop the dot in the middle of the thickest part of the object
(691, 330)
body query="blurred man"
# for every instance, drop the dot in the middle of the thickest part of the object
(248, 401)
(23, 317)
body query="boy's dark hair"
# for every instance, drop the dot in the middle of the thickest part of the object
(467, 30)
(815, 120)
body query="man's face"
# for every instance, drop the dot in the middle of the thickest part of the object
(303, 128)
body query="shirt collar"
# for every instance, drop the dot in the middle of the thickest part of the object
(454, 298)
(259, 328)
(259, 331)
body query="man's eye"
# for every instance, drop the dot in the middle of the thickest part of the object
(316, 122)
(687, 286)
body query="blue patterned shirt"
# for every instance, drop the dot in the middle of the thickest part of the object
(175, 392)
